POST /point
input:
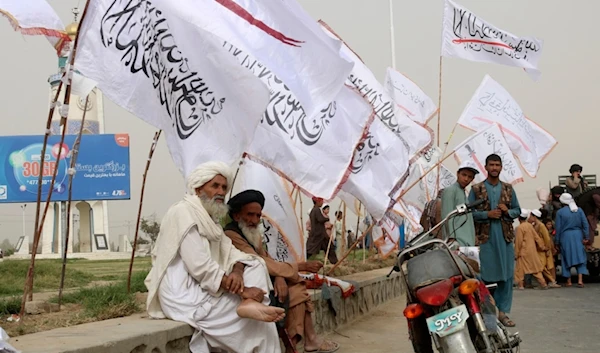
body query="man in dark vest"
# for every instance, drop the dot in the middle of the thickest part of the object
(495, 233)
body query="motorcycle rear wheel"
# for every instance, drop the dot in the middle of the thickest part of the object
(419, 336)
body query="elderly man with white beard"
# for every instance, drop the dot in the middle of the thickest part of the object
(246, 234)
(200, 278)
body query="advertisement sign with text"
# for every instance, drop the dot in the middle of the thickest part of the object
(101, 171)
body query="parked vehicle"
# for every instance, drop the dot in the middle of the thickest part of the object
(446, 303)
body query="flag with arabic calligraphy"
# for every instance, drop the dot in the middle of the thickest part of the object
(314, 152)
(492, 104)
(413, 136)
(477, 147)
(409, 97)
(377, 169)
(283, 234)
(173, 75)
(280, 35)
(36, 17)
(467, 36)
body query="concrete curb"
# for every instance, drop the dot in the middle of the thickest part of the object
(139, 334)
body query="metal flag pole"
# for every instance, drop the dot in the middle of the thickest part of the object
(392, 34)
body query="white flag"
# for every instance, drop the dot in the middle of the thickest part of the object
(469, 37)
(35, 17)
(409, 97)
(280, 35)
(414, 136)
(477, 147)
(491, 104)
(379, 165)
(285, 241)
(173, 75)
(386, 236)
(313, 152)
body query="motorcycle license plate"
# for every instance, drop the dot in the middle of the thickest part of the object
(449, 321)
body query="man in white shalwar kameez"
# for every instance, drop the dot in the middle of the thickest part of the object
(200, 278)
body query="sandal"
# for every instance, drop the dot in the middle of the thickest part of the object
(506, 321)
(325, 347)
(580, 285)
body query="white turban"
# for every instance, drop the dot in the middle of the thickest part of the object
(537, 213)
(205, 172)
(567, 199)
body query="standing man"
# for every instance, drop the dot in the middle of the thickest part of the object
(546, 256)
(317, 237)
(339, 241)
(575, 183)
(495, 233)
(460, 227)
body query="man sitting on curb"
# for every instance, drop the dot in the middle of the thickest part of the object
(245, 210)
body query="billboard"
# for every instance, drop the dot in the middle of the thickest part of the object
(102, 168)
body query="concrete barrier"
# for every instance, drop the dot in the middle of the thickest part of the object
(138, 334)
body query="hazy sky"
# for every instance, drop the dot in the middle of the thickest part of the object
(563, 102)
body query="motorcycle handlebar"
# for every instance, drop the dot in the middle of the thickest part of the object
(461, 209)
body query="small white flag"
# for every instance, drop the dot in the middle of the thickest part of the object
(35, 17)
(491, 104)
(489, 141)
(469, 37)
(409, 97)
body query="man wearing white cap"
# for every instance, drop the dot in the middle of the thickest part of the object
(460, 227)
(200, 278)
(545, 254)
(527, 243)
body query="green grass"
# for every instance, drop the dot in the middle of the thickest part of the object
(10, 305)
(79, 273)
(108, 301)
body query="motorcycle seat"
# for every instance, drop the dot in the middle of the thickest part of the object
(433, 266)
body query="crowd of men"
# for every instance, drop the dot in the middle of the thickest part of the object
(222, 281)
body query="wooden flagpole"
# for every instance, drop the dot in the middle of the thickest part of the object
(423, 176)
(235, 176)
(74, 154)
(36, 234)
(139, 216)
(351, 248)
(344, 232)
(357, 225)
(28, 288)
(439, 119)
(301, 215)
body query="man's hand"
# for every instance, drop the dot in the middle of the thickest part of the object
(310, 266)
(503, 208)
(234, 283)
(253, 293)
(495, 214)
(281, 289)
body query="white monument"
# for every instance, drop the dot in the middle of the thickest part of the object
(89, 228)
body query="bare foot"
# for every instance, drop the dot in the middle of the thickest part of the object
(251, 309)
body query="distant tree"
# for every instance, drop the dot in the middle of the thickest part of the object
(7, 247)
(150, 227)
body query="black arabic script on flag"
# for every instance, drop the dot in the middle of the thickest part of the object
(139, 30)
(284, 110)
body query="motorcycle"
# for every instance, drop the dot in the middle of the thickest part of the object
(446, 303)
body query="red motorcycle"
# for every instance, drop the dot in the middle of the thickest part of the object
(446, 303)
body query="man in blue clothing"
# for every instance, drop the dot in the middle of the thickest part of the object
(495, 233)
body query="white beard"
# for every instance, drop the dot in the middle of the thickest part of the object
(216, 210)
(253, 234)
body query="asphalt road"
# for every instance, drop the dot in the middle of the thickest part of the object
(553, 321)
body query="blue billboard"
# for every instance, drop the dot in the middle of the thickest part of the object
(101, 171)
